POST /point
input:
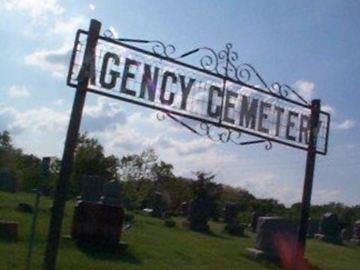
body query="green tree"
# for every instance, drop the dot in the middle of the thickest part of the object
(91, 160)
(135, 167)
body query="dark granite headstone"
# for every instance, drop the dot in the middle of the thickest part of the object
(198, 215)
(8, 181)
(232, 224)
(97, 223)
(92, 188)
(159, 202)
(111, 193)
(98, 215)
(356, 232)
(230, 213)
(8, 230)
(275, 239)
(313, 227)
(329, 229)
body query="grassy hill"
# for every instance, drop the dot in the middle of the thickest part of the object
(152, 246)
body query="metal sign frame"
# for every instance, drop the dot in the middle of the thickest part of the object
(220, 65)
(227, 71)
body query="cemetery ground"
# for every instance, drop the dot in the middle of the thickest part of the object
(151, 245)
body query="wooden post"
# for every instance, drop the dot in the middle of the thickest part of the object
(57, 213)
(308, 182)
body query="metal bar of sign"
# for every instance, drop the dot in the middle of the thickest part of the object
(156, 81)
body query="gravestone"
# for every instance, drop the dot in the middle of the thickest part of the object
(91, 188)
(183, 210)
(198, 215)
(230, 213)
(275, 239)
(98, 216)
(97, 223)
(9, 230)
(329, 229)
(344, 234)
(111, 193)
(254, 220)
(313, 227)
(232, 225)
(356, 232)
(159, 201)
(8, 181)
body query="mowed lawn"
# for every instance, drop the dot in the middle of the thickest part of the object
(152, 246)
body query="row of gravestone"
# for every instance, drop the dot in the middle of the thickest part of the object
(99, 215)
(276, 236)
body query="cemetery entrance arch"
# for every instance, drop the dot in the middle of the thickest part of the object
(226, 97)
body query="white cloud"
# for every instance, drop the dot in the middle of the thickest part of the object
(92, 7)
(324, 195)
(345, 125)
(36, 8)
(266, 184)
(305, 89)
(67, 27)
(56, 61)
(189, 147)
(102, 115)
(53, 61)
(59, 102)
(114, 32)
(41, 119)
(7, 115)
(18, 91)
(38, 131)
(328, 108)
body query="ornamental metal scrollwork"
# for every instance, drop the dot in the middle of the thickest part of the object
(161, 49)
(223, 63)
(206, 129)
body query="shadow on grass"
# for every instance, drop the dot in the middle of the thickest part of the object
(5, 240)
(109, 253)
(267, 262)
(211, 234)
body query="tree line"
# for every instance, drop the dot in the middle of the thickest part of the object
(144, 174)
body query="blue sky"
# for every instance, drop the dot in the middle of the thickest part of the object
(311, 45)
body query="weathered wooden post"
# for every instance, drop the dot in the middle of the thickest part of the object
(70, 145)
(308, 182)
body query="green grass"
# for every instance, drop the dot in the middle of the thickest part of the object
(152, 246)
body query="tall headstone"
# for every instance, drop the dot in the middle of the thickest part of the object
(198, 215)
(183, 209)
(159, 203)
(329, 229)
(111, 193)
(232, 224)
(230, 213)
(91, 188)
(356, 232)
(8, 181)
(313, 227)
(275, 239)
